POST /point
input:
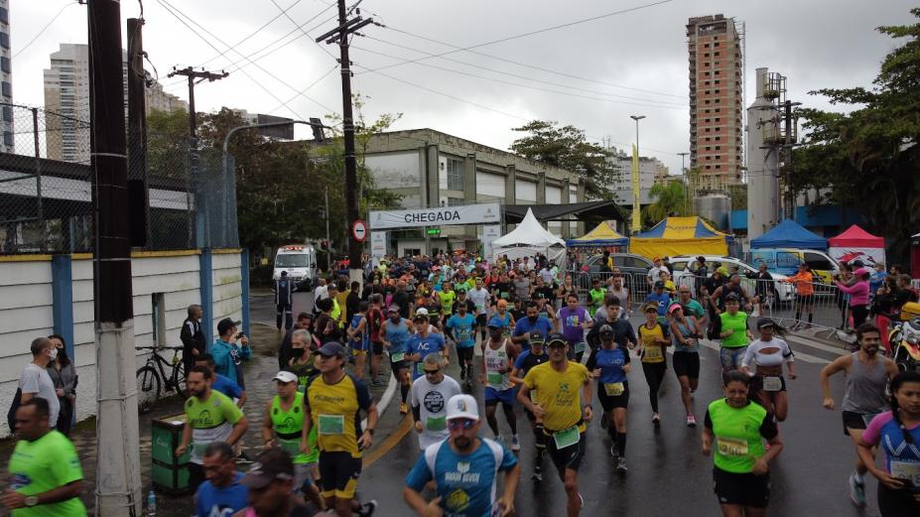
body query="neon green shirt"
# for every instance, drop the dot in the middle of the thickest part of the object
(447, 301)
(738, 444)
(738, 325)
(211, 421)
(47, 463)
(597, 299)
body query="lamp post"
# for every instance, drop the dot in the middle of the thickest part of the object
(683, 172)
(637, 209)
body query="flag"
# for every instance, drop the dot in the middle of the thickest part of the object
(636, 209)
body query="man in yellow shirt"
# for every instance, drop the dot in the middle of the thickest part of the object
(563, 402)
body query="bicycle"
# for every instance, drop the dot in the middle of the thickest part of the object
(152, 376)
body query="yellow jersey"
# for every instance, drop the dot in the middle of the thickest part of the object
(559, 393)
(335, 412)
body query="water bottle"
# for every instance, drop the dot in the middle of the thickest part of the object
(151, 504)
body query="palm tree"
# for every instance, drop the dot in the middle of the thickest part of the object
(670, 199)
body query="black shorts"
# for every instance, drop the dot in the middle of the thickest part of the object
(568, 458)
(686, 364)
(481, 320)
(741, 489)
(465, 354)
(854, 420)
(805, 299)
(377, 347)
(395, 366)
(610, 402)
(897, 503)
(339, 473)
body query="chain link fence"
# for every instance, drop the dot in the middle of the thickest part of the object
(177, 199)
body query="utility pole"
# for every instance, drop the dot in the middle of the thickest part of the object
(340, 35)
(118, 476)
(137, 130)
(683, 172)
(328, 241)
(195, 77)
(787, 165)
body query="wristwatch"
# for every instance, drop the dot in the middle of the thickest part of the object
(31, 501)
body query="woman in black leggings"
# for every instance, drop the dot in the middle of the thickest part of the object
(654, 359)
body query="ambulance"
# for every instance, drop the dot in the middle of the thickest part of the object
(299, 260)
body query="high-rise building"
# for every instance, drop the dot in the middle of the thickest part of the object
(67, 102)
(6, 80)
(651, 171)
(716, 102)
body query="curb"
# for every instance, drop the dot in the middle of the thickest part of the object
(385, 399)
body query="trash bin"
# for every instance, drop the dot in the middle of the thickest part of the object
(169, 474)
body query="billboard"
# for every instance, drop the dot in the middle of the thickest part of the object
(485, 213)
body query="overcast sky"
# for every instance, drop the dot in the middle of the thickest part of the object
(616, 66)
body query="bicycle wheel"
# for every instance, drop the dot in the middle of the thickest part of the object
(148, 388)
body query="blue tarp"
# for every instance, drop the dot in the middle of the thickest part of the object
(789, 234)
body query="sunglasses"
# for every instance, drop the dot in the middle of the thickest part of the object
(432, 372)
(460, 423)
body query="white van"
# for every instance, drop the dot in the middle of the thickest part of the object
(299, 260)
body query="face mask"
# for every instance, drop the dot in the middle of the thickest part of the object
(53, 354)
(297, 352)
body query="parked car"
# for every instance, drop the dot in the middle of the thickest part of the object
(632, 266)
(782, 291)
(786, 261)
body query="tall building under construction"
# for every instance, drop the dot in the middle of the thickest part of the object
(715, 46)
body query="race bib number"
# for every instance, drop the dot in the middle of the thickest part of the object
(292, 447)
(331, 425)
(613, 389)
(772, 383)
(732, 447)
(397, 357)
(580, 347)
(436, 423)
(494, 378)
(652, 352)
(420, 368)
(906, 470)
(566, 438)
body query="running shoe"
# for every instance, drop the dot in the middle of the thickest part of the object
(621, 464)
(656, 419)
(613, 451)
(537, 474)
(243, 459)
(691, 421)
(403, 408)
(857, 491)
(581, 501)
(367, 509)
(515, 443)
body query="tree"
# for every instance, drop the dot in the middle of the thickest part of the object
(869, 157)
(567, 147)
(670, 199)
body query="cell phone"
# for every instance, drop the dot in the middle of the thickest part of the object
(241, 334)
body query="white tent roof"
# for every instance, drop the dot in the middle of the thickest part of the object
(528, 234)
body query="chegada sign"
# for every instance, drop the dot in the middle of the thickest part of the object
(485, 213)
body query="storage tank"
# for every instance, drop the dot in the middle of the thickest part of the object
(714, 207)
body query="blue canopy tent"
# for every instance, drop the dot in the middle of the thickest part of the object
(790, 234)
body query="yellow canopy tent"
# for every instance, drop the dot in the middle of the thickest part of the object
(680, 236)
(603, 234)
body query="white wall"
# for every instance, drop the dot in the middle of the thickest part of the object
(26, 311)
(525, 191)
(395, 170)
(491, 185)
(554, 197)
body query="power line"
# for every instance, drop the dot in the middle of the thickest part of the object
(674, 106)
(300, 27)
(314, 83)
(170, 9)
(253, 33)
(43, 29)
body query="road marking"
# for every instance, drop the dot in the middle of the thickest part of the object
(808, 358)
(394, 438)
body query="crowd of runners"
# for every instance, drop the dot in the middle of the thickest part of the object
(547, 348)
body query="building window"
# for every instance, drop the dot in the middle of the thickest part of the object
(4, 40)
(718, 166)
(708, 167)
(6, 89)
(7, 114)
(454, 201)
(4, 15)
(454, 174)
(717, 91)
(718, 119)
(8, 138)
(5, 64)
(708, 148)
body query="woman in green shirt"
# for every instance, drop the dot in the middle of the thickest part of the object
(735, 334)
(735, 429)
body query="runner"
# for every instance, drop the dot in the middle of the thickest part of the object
(395, 333)
(358, 341)
(533, 322)
(371, 325)
(480, 298)
(609, 365)
(464, 468)
(685, 336)
(528, 359)
(564, 403)
(768, 353)
(333, 402)
(423, 343)
(270, 483)
(692, 307)
(575, 320)
(459, 327)
(446, 297)
(564, 290)
(898, 433)
(596, 296)
(867, 375)
(209, 417)
(282, 426)
(498, 355)
(734, 333)
(622, 293)
(429, 401)
(504, 317)
(741, 476)
(654, 361)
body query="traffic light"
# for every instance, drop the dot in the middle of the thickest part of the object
(324, 244)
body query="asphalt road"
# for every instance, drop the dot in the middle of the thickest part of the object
(667, 473)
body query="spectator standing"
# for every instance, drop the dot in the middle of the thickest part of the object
(34, 381)
(228, 356)
(64, 377)
(284, 301)
(193, 342)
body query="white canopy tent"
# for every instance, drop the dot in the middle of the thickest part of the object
(528, 239)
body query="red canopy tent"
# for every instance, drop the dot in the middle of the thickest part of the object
(857, 244)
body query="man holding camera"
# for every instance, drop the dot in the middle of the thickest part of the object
(230, 350)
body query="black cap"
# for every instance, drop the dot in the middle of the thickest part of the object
(659, 284)
(556, 339)
(332, 349)
(270, 465)
(226, 324)
(537, 337)
(765, 323)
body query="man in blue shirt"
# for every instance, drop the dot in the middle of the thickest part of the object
(228, 356)
(460, 328)
(222, 494)
(222, 383)
(423, 344)
(465, 469)
(531, 323)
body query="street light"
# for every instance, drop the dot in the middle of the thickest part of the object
(683, 172)
(636, 211)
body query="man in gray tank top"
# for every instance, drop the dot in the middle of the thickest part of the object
(867, 375)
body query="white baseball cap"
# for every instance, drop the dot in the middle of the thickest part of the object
(285, 377)
(462, 406)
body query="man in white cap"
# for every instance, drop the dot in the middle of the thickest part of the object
(465, 468)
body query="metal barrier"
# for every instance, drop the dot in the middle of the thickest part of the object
(635, 283)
